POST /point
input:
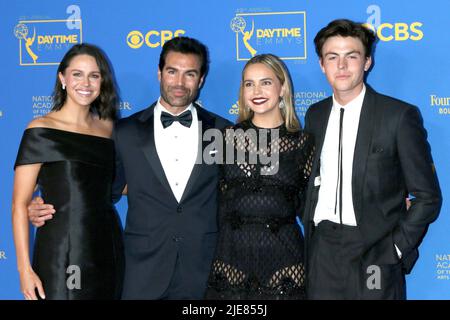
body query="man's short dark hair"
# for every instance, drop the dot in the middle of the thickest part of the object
(185, 45)
(345, 28)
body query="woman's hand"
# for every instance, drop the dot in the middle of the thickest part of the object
(29, 282)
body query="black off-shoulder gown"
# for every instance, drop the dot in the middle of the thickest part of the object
(79, 253)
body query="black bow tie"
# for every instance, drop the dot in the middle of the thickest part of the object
(185, 119)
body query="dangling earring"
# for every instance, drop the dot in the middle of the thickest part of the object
(64, 86)
(281, 104)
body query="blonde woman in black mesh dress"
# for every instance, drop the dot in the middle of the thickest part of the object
(260, 249)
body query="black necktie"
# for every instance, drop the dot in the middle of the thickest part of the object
(185, 119)
(340, 171)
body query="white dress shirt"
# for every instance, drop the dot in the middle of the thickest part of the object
(325, 209)
(177, 148)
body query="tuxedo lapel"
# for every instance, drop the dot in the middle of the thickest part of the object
(321, 128)
(205, 122)
(318, 123)
(366, 126)
(147, 143)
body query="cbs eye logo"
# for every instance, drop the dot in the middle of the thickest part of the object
(135, 39)
(153, 38)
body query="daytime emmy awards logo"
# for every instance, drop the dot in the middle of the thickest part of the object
(282, 33)
(238, 25)
(21, 33)
(44, 42)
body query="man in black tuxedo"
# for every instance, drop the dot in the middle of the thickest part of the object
(371, 154)
(171, 228)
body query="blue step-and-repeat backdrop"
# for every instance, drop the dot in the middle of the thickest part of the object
(411, 63)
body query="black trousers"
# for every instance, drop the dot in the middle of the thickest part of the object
(336, 269)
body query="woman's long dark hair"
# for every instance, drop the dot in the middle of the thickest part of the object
(106, 104)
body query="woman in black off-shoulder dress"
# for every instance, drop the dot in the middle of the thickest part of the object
(260, 248)
(78, 254)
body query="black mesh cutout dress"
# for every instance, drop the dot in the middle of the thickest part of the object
(260, 248)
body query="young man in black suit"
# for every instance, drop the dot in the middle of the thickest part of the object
(372, 153)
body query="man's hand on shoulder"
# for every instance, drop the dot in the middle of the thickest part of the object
(39, 212)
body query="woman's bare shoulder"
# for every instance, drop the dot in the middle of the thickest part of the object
(46, 121)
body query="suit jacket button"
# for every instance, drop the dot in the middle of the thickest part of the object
(179, 209)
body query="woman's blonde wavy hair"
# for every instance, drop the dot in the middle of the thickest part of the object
(279, 68)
